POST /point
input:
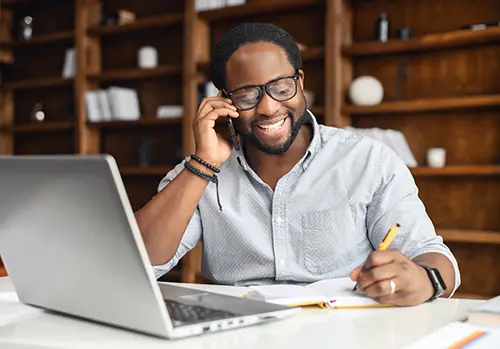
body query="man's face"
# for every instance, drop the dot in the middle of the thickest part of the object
(272, 125)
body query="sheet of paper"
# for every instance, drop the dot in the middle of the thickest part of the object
(12, 310)
(459, 335)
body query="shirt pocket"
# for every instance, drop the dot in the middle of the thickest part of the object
(325, 239)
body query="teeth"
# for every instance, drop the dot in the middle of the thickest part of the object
(273, 126)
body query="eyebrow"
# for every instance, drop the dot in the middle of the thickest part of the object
(276, 78)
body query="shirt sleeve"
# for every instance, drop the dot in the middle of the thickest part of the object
(395, 201)
(191, 235)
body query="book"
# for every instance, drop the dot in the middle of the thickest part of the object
(488, 313)
(330, 293)
(459, 335)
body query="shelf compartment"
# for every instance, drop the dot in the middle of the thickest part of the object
(143, 122)
(140, 24)
(145, 171)
(452, 39)
(457, 170)
(470, 236)
(426, 105)
(135, 73)
(254, 8)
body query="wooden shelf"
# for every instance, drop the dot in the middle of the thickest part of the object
(453, 39)
(36, 83)
(43, 39)
(134, 73)
(470, 236)
(426, 105)
(461, 295)
(457, 170)
(44, 127)
(144, 121)
(313, 53)
(139, 24)
(145, 171)
(254, 8)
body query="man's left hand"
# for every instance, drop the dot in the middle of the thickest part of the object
(410, 282)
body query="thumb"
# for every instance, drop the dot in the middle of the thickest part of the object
(355, 273)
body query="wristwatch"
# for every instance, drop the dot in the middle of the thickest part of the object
(437, 282)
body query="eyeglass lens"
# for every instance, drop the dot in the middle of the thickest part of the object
(280, 90)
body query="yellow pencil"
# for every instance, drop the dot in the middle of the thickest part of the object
(391, 234)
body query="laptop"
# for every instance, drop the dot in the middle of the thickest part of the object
(71, 245)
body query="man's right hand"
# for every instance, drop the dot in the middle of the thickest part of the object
(210, 146)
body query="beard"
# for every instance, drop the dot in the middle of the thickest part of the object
(282, 147)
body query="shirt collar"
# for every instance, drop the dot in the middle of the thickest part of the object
(309, 154)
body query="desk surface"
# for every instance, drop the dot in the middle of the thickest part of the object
(313, 327)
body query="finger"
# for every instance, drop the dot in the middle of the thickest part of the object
(209, 100)
(377, 274)
(216, 113)
(377, 258)
(382, 288)
(355, 273)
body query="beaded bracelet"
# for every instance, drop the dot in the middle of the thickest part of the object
(205, 176)
(204, 163)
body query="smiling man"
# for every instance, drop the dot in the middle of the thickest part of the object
(293, 201)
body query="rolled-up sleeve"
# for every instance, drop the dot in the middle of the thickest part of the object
(191, 236)
(396, 200)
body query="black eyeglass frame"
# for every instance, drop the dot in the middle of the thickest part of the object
(265, 87)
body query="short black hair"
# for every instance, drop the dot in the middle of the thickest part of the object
(250, 33)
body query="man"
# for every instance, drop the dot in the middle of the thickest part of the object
(298, 202)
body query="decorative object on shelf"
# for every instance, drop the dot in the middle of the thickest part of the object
(366, 90)
(169, 111)
(37, 113)
(436, 157)
(145, 147)
(113, 103)
(26, 28)
(69, 68)
(394, 139)
(310, 97)
(405, 33)
(383, 27)
(118, 17)
(147, 57)
(480, 26)
(205, 5)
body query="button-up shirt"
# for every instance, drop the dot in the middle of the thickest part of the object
(322, 220)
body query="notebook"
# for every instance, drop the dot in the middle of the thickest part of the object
(331, 293)
(487, 313)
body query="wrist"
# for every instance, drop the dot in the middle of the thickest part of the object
(207, 159)
(202, 168)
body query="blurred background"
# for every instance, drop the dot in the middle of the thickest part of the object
(125, 77)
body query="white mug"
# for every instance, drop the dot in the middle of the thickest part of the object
(148, 57)
(436, 157)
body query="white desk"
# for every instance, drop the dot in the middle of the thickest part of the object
(312, 328)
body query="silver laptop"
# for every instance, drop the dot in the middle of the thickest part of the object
(70, 243)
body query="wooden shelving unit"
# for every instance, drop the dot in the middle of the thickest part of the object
(422, 98)
(440, 89)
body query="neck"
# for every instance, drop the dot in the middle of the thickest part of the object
(271, 168)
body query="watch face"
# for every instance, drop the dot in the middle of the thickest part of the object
(439, 279)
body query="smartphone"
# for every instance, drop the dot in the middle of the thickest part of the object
(232, 133)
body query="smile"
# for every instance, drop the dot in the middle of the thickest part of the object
(274, 126)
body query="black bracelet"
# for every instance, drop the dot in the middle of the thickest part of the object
(204, 163)
(205, 176)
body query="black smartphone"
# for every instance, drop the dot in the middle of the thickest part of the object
(232, 133)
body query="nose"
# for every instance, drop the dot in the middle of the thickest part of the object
(267, 105)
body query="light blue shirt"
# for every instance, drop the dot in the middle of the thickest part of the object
(322, 220)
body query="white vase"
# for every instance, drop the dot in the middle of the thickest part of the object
(147, 57)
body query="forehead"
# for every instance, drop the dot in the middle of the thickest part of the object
(256, 64)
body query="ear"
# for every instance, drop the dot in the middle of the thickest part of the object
(301, 79)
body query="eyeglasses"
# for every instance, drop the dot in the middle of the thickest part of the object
(280, 89)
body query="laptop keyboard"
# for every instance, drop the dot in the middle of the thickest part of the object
(185, 313)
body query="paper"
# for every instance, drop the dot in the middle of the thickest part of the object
(459, 335)
(331, 293)
(12, 310)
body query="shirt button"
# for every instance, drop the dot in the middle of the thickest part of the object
(279, 220)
